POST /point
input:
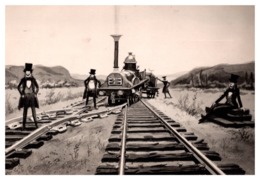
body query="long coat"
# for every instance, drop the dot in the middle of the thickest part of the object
(87, 91)
(166, 85)
(21, 88)
(232, 96)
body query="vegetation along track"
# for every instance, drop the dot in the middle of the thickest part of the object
(145, 141)
(18, 142)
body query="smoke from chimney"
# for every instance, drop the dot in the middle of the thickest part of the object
(116, 10)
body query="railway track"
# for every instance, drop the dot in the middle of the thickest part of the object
(19, 143)
(145, 141)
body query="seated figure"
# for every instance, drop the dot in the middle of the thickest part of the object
(233, 102)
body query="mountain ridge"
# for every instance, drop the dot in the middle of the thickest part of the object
(216, 76)
(43, 74)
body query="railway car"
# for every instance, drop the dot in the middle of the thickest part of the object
(150, 87)
(128, 84)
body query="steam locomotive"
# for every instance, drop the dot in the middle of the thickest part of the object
(128, 84)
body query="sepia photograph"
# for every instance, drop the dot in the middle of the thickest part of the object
(129, 90)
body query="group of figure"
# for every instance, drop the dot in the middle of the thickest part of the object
(232, 95)
(29, 88)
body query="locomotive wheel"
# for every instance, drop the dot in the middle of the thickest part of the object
(135, 98)
(140, 90)
(128, 101)
(109, 101)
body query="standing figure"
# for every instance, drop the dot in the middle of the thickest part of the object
(91, 86)
(28, 89)
(166, 85)
(233, 100)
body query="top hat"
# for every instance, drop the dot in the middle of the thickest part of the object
(233, 78)
(164, 77)
(92, 71)
(28, 67)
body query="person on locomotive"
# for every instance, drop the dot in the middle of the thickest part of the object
(166, 85)
(28, 89)
(91, 86)
(233, 100)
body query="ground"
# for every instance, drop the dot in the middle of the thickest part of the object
(77, 151)
(80, 149)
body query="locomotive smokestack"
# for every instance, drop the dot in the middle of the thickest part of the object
(116, 39)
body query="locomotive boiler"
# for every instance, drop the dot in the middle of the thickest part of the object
(128, 84)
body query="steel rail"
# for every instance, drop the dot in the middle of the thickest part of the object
(122, 159)
(44, 129)
(19, 118)
(209, 165)
(37, 133)
(12, 120)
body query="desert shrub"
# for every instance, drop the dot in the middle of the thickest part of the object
(183, 101)
(51, 98)
(71, 95)
(215, 90)
(191, 107)
(89, 150)
(101, 145)
(75, 154)
(244, 134)
(8, 105)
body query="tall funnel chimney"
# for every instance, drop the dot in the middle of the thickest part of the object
(116, 39)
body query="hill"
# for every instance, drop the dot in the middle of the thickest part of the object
(217, 76)
(46, 76)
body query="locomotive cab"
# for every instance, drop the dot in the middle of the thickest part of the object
(150, 87)
(130, 63)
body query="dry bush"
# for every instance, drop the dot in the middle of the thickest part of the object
(88, 149)
(212, 90)
(244, 134)
(191, 107)
(75, 154)
(101, 145)
(71, 95)
(8, 105)
(51, 98)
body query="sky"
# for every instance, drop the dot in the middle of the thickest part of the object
(165, 39)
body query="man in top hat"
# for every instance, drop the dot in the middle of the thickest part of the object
(166, 85)
(91, 85)
(233, 100)
(28, 89)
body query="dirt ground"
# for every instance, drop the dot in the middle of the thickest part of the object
(234, 145)
(75, 152)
